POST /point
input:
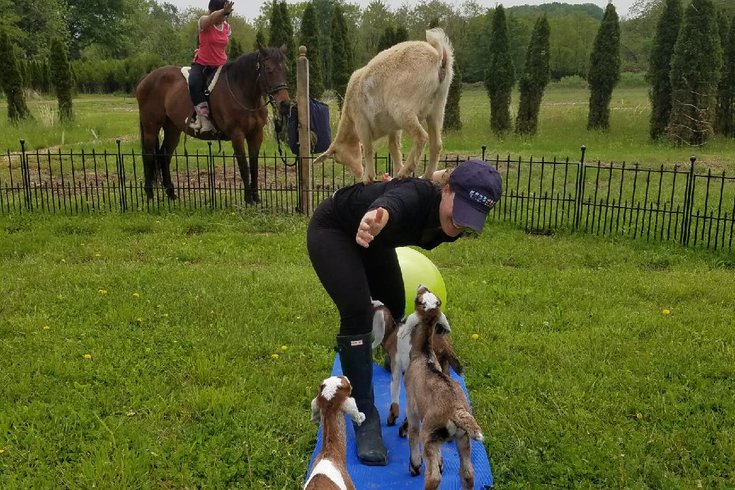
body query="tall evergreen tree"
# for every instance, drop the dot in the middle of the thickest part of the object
(401, 35)
(259, 39)
(386, 39)
(12, 82)
(659, 72)
(604, 69)
(500, 74)
(342, 57)
(452, 119)
(61, 78)
(535, 77)
(695, 72)
(282, 34)
(234, 49)
(725, 112)
(310, 39)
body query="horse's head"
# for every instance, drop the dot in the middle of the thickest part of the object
(274, 76)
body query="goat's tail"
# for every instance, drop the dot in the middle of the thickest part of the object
(465, 421)
(382, 322)
(439, 41)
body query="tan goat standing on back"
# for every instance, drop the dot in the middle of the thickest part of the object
(397, 90)
(437, 408)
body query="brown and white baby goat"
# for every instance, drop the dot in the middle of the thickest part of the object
(437, 409)
(330, 471)
(396, 341)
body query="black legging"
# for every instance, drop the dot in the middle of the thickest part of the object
(197, 75)
(351, 274)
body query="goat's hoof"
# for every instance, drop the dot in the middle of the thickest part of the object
(403, 429)
(415, 470)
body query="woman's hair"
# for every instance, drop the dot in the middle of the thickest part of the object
(215, 5)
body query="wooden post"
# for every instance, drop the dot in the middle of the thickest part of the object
(302, 100)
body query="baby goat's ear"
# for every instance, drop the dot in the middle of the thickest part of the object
(442, 326)
(315, 412)
(349, 406)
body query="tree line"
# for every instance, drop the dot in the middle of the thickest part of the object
(107, 45)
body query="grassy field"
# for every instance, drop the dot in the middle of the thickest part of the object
(103, 119)
(138, 351)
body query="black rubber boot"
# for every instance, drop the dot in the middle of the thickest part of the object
(356, 357)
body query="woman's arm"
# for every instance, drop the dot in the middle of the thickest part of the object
(370, 225)
(216, 17)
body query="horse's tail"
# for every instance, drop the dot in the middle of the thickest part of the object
(439, 41)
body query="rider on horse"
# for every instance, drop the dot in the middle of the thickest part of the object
(214, 32)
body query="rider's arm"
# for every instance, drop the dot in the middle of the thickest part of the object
(216, 17)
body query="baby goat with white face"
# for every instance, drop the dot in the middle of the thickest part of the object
(437, 409)
(330, 470)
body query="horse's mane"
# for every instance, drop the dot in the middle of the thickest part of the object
(244, 69)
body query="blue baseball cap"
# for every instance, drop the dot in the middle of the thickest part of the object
(477, 187)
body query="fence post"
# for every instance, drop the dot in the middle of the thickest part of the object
(26, 174)
(121, 178)
(210, 176)
(579, 198)
(305, 205)
(688, 203)
(484, 149)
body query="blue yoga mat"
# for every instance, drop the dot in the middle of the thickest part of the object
(395, 475)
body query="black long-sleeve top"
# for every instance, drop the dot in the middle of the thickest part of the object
(412, 205)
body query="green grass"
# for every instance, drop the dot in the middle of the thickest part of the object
(101, 119)
(578, 378)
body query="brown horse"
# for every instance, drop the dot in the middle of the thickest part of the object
(238, 105)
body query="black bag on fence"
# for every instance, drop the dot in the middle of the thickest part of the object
(321, 133)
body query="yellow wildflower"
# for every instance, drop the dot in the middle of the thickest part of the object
(136, 295)
(275, 356)
(284, 348)
(475, 336)
(88, 356)
(666, 312)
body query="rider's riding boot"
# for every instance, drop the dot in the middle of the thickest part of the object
(356, 357)
(204, 124)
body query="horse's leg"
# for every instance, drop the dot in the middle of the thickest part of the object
(238, 146)
(171, 136)
(418, 138)
(255, 139)
(149, 142)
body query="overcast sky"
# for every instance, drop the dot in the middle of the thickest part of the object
(251, 8)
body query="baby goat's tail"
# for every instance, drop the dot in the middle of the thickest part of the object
(382, 322)
(464, 420)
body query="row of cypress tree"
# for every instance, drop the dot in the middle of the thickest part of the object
(692, 74)
(11, 80)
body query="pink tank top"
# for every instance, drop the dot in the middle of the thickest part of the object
(212, 45)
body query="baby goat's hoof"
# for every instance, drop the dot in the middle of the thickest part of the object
(393, 414)
(415, 470)
(403, 429)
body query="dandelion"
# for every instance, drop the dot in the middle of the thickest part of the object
(639, 415)
(284, 348)
(475, 336)
(102, 291)
(88, 356)
(63, 261)
(275, 356)
(666, 312)
(98, 254)
(46, 327)
(2, 450)
(136, 295)
(165, 315)
(139, 320)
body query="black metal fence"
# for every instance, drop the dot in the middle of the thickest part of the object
(682, 203)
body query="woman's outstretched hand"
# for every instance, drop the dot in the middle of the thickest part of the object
(370, 225)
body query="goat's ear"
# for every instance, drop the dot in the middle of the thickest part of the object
(350, 408)
(441, 329)
(315, 412)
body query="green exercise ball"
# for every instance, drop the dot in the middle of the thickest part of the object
(417, 269)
